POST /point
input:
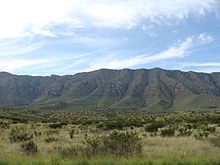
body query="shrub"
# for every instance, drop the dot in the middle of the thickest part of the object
(168, 132)
(4, 125)
(71, 133)
(19, 134)
(52, 132)
(115, 144)
(37, 133)
(183, 131)
(50, 139)
(123, 144)
(29, 147)
(110, 125)
(210, 129)
(56, 125)
(94, 146)
(200, 135)
(154, 125)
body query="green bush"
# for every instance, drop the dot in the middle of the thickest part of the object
(56, 125)
(114, 144)
(19, 135)
(29, 147)
(184, 131)
(110, 125)
(94, 146)
(154, 125)
(122, 144)
(168, 132)
(210, 129)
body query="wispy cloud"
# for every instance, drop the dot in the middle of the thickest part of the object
(29, 17)
(119, 14)
(204, 64)
(177, 50)
(68, 32)
(95, 41)
(13, 65)
(205, 38)
(11, 47)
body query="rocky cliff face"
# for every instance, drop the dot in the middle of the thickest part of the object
(150, 90)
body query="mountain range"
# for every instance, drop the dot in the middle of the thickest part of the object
(150, 90)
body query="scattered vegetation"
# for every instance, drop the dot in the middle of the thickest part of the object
(93, 135)
(19, 134)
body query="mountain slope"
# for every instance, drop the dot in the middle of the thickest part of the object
(152, 90)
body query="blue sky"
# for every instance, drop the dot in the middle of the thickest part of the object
(44, 37)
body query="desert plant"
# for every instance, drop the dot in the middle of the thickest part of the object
(19, 134)
(123, 143)
(29, 147)
(200, 134)
(56, 125)
(154, 125)
(52, 132)
(71, 133)
(50, 139)
(116, 144)
(210, 129)
(168, 132)
(4, 125)
(37, 133)
(183, 131)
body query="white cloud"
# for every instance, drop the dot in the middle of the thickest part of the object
(30, 17)
(19, 17)
(13, 65)
(205, 38)
(11, 47)
(206, 64)
(178, 50)
(210, 69)
(94, 41)
(128, 14)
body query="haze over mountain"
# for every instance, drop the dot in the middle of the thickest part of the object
(152, 90)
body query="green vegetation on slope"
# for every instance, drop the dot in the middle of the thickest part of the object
(154, 90)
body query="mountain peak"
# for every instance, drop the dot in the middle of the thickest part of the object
(153, 89)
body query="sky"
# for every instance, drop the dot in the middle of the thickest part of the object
(45, 37)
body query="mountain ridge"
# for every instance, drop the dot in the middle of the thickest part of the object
(152, 90)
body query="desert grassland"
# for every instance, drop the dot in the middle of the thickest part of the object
(54, 145)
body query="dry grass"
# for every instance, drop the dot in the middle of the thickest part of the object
(179, 146)
(154, 148)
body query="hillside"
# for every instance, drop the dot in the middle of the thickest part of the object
(153, 90)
